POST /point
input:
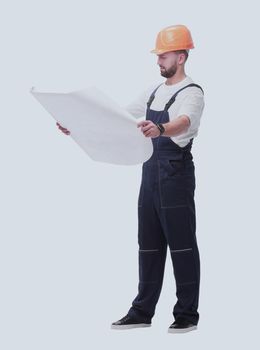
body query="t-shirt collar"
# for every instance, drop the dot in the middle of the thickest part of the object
(180, 83)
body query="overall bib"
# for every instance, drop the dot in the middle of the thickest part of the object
(166, 217)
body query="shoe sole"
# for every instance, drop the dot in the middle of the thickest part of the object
(130, 326)
(181, 330)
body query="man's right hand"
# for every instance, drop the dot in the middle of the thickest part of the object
(64, 130)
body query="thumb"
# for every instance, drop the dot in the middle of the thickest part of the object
(143, 123)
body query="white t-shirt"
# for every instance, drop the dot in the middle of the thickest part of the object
(189, 102)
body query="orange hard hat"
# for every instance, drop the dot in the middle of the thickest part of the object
(172, 38)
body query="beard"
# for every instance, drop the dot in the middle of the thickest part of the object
(168, 73)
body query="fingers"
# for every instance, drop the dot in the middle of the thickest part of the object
(64, 130)
(148, 128)
(148, 133)
(145, 125)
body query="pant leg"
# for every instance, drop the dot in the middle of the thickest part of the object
(179, 224)
(152, 256)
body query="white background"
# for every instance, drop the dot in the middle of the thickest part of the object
(69, 225)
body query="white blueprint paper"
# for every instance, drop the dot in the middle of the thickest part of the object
(104, 130)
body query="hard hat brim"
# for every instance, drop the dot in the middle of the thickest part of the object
(159, 52)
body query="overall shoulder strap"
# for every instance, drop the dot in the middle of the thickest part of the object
(152, 96)
(172, 99)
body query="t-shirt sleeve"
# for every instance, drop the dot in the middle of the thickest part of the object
(192, 106)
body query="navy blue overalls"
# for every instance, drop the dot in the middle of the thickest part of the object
(166, 217)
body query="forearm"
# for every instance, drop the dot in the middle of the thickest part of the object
(177, 126)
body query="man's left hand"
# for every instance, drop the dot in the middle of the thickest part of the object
(148, 128)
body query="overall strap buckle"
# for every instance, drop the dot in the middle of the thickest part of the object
(152, 96)
(186, 150)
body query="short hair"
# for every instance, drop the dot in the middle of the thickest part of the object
(186, 53)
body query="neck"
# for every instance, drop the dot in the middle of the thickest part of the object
(176, 78)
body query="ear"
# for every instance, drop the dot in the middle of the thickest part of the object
(181, 58)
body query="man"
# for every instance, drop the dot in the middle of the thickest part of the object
(166, 207)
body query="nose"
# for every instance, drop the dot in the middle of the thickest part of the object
(159, 60)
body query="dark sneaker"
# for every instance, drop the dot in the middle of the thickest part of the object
(181, 326)
(128, 322)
